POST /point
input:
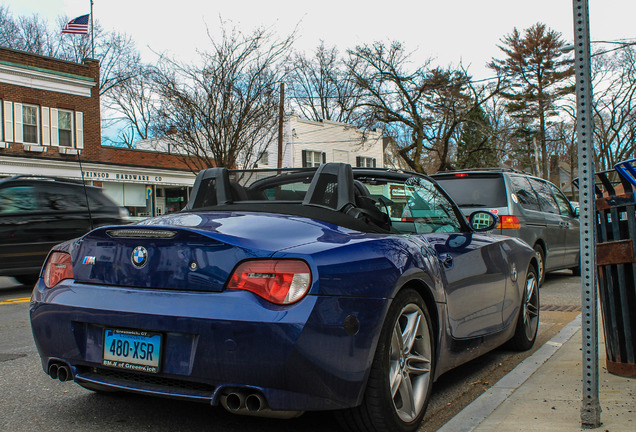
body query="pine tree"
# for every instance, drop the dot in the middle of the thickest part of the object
(536, 71)
(475, 147)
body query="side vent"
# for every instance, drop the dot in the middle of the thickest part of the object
(141, 233)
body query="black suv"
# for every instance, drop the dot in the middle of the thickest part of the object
(37, 213)
(528, 207)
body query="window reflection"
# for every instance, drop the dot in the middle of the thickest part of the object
(414, 206)
(17, 199)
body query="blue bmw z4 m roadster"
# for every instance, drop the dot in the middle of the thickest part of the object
(276, 292)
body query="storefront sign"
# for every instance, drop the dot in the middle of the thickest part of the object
(103, 175)
(99, 175)
(133, 177)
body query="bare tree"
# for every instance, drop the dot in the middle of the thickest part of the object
(420, 109)
(503, 130)
(8, 28)
(223, 111)
(26, 33)
(119, 59)
(115, 51)
(132, 108)
(615, 107)
(320, 87)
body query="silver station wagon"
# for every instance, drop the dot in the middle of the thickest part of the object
(528, 207)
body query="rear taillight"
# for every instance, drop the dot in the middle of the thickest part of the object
(57, 268)
(278, 281)
(509, 222)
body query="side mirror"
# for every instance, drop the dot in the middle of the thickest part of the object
(483, 221)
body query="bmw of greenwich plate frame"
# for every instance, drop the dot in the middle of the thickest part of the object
(134, 350)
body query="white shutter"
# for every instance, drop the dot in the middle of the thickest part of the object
(55, 138)
(8, 121)
(1, 123)
(46, 132)
(17, 122)
(79, 130)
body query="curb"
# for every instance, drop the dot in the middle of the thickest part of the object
(474, 414)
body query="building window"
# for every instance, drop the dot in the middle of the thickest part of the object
(65, 128)
(365, 162)
(30, 124)
(313, 158)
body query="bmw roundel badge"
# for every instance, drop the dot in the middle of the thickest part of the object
(139, 256)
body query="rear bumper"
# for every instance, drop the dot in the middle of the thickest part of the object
(299, 357)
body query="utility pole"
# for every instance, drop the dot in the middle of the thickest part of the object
(281, 115)
(590, 406)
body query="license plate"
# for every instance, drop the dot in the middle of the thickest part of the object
(135, 350)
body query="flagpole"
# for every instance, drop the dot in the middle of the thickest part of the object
(92, 36)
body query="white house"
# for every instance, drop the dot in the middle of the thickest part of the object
(308, 143)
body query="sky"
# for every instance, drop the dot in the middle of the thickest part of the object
(450, 32)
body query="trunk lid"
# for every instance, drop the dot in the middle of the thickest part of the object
(165, 254)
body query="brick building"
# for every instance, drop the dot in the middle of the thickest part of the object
(50, 112)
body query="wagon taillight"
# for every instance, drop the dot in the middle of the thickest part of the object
(509, 222)
(278, 281)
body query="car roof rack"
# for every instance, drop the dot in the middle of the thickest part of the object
(512, 170)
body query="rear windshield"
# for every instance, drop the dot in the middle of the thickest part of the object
(475, 191)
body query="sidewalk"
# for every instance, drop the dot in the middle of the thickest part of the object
(544, 393)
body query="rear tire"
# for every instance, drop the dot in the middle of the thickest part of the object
(576, 271)
(401, 377)
(528, 319)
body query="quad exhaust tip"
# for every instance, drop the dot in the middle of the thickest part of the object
(60, 371)
(253, 404)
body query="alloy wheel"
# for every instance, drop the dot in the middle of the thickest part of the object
(410, 362)
(530, 307)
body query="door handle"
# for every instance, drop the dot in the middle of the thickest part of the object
(446, 260)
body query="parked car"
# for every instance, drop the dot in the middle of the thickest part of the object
(278, 292)
(36, 213)
(528, 207)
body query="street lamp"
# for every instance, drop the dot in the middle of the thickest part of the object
(622, 44)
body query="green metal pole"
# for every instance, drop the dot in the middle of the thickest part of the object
(590, 407)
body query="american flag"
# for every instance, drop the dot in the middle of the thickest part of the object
(78, 25)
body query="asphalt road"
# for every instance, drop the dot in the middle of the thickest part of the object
(31, 401)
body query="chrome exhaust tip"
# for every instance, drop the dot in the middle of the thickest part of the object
(255, 402)
(234, 402)
(64, 373)
(53, 370)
